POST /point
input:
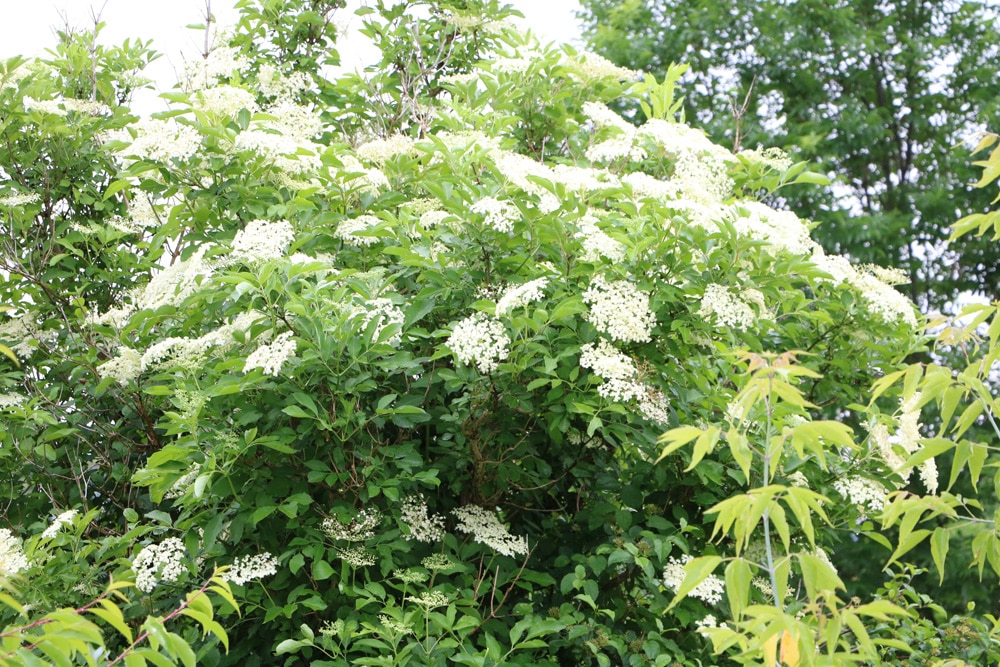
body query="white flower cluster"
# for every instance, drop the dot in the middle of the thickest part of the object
(620, 146)
(19, 199)
(141, 215)
(124, 368)
(222, 62)
(517, 296)
(386, 313)
(12, 558)
(603, 116)
(431, 219)
(480, 340)
(188, 353)
(394, 626)
(679, 139)
(592, 67)
(730, 310)
(703, 179)
(348, 230)
(225, 101)
(705, 624)
(250, 568)
(355, 556)
(182, 483)
(863, 492)
(10, 400)
(64, 519)
(274, 83)
(262, 240)
(620, 310)
(499, 215)
(880, 297)
(486, 529)
(644, 185)
(473, 21)
(271, 357)
(710, 589)
(783, 230)
(597, 244)
(908, 440)
(424, 527)
(161, 141)
(380, 151)
(63, 105)
(23, 335)
(284, 140)
(175, 283)
(620, 374)
(359, 529)
(159, 562)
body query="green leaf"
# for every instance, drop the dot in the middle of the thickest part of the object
(939, 550)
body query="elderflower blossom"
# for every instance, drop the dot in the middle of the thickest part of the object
(481, 340)
(272, 82)
(225, 101)
(348, 230)
(423, 526)
(486, 529)
(124, 368)
(499, 215)
(517, 296)
(381, 151)
(679, 139)
(644, 185)
(702, 179)
(271, 357)
(710, 589)
(592, 67)
(155, 563)
(170, 286)
(618, 148)
(356, 556)
(19, 199)
(385, 313)
(354, 175)
(222, 62)
(249, 568)
(730, 310)
(706, 624)
(783, 230)
(603, 116)
(61, 106)
(161, 141)
(262, 240)
(864, 493)
(615, 368)
(436, 562)
(394, 626)
(11, 400)
(620, 310)
(360, 528)
(12, 558)
(64, 519)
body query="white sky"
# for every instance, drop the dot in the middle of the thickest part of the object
(28, 26)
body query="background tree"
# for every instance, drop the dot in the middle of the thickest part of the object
(877, 92)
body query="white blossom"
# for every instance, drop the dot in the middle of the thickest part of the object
(353, 175)
(225, 101)
(862, 492)
(783, 230)
(222, 62)
(12, 558)
(379, 151)
(124, 368)
(155, 563)
(499, 215)
(19, 199)
(771, 158)
(603, 116)
(262, 240)
(480, 340)
(429, 599)
(271, 357)
(170, 286)
(64, 519)
(349, 227)
(161, 141)
(644, 185)
(591, 67)
(423, 526)
(360, 528)
(355, 556)
(710, 589)
(728, 309)
(620, 310)
(517, 296)
(596, 243)
(275, 83)
(485, 528)
(249, 568)
(10, 400)
(61, 106)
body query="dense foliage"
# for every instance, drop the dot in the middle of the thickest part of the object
(878, 93)
(442, 362)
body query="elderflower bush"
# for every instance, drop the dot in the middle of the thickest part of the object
(404, 343)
